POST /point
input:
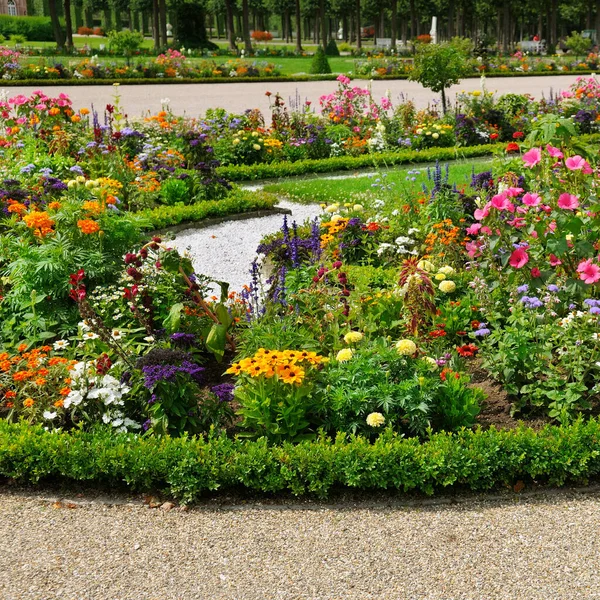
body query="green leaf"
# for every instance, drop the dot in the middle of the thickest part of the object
(215, 341)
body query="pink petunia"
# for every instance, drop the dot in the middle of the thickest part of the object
(531, 199)
(482, 213)
(501, 202)
(513, 192)
(554, 260)
(533, 157)
(554, 152)
(473, 229)
(568, 201)
(578, 163)
(588, 271)
(519, 258)
(472, 249)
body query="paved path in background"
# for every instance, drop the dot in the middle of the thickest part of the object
(545, 547)
(195, 99)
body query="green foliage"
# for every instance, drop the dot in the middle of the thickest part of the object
(125, 42)
(578, 44)
(438, 66)
(187, 468)
(35, 29)
(332, 49)
(17, 38)
(319, 64)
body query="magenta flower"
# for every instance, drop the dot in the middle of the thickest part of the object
(578, 163)
(588, 271)
(519, 258)
(554, 260)
(533, 157)
(554, 152)
(501, 202)
(473, 229)
(535, 272)
(568, 201)
(513, 192)
(531, 199)
(482, 213)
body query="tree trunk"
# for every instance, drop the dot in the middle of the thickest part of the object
(299, 27)
(246, 28)
(155, 25)
(394, 32)
(323, 18)
(597, 22)
(358, 26)
(413, 20)
(450, 20)
(89, 16)
(162, 9)
(58, 32)
(229, 23)
(68, 26)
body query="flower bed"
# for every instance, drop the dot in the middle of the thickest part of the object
(386, 318)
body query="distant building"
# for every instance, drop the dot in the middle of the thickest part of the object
(13, 7)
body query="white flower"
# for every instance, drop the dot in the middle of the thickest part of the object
(149, 339)
(49, 415)
(116, 334)
(165, 100)
(61, 345)
(90, 335)
(75, 397)
(106, 418)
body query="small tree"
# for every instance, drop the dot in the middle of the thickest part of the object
(438, 66)
(332, 49)
(126, 42)
(319, 64)
(578, 44)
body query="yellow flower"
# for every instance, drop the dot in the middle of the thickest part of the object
(447, 286)
(431, 363)
(352, 337)
(375, 419)
(440, 277)
(344, 355)
(406, 347)
(446, 270)
(425, 265)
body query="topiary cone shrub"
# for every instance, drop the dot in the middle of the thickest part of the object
(320, 64)
(332, 49)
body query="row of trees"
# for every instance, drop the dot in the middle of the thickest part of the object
(485, 21)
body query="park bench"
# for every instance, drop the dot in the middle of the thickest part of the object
(533, 47)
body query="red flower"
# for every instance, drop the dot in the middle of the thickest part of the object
(467, 350)
(512, 147)
(517, 135)
(535, 272)
(494, 136)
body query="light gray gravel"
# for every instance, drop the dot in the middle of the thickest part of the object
(225, 251)
(544, 547)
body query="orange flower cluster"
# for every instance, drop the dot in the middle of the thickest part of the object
(333, 228)
(88, 226)
(147, 182)
(16, 207)
(445, 234)
(92, 207)
(162, 120)
(288, 366)
(40, 222)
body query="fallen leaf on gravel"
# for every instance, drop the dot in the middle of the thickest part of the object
(518, 486)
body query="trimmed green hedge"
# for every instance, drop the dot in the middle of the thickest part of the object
(35, 29)
(186, 468)
(239, 201)
(375, 160)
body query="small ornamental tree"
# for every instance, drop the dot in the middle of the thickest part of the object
(438, 66)
(319, 64)
(125, 42)
(578, 44)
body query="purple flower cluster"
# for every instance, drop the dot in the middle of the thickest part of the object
(594, 306)
(531, 302)
(223, 391)
(154, 374)
(482, 331)
(183, 339)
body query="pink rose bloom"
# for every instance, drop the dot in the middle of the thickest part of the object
(554, 152)
(532, 158)
(531, 199)
(588, 271)
(554, 260)
(519, 258)
(473, 229)
(568, 201)
(578, 163)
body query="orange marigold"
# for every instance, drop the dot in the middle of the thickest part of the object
(28, 402)
(40, 222)
(88, 226)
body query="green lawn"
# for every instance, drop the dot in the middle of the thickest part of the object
(351, 188)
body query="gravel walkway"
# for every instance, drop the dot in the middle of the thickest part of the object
(544, 547)
(225, 251)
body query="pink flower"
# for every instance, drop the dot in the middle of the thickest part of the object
(472, 249)
(517, 222)
(568, 201)
(554, 260)
(588, 271)
(519, 258)
(578, 163)
(343, 79)
(482, 213)
(485, 229)
(473, 229)
(554, 152)
(501, 202)
(513, 192)
(535, 272)
(531, 199)
(533, 157)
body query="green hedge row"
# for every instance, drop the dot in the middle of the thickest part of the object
(35, 29)
(376, 160)
(349, 163)
(239, 201)
(186, 468)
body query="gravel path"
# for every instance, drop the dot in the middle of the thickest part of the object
(195, 99)
(544, 547)
(225, 251)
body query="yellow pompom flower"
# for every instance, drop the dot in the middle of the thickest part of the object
(375, 419)
(446, 270)
(447, 286)
(440, 276)
(344, 355)
(406, 347)
(352, 337)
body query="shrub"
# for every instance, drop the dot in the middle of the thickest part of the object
(98, 31)
(85, 31)
(262, 36)
(319, 64)
(332, 49)
(35, 29)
